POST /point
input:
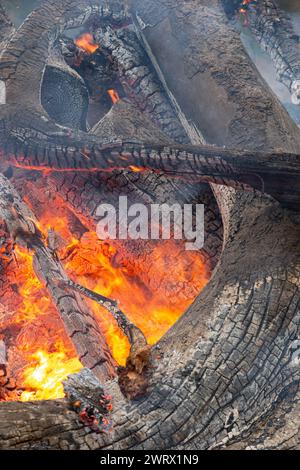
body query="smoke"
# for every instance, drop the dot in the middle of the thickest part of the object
(19, 9)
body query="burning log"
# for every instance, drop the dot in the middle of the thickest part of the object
(78, 321)
(244, 170)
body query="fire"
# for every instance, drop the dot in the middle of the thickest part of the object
(136, 169)
(43, 380)
(92, 263)
(47, 353)
(87, 43)
(42, 343)
(34, 298)
(114, 95)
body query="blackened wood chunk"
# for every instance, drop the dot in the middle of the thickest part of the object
(87, 397)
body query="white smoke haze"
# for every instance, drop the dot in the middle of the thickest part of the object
(19, 9)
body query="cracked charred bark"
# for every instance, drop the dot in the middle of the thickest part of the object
(274, 32)
(229, 361)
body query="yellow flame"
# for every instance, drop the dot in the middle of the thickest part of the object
(43, 381)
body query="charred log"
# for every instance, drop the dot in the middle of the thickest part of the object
(139, 79)
(238, 169)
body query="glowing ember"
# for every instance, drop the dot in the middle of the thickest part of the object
(136, 169)
(87, 43)
(114, 95)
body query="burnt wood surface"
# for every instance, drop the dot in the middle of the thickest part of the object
(274, 32)
(228, 365)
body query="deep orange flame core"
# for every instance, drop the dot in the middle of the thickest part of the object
(92, 263)
(87, 43)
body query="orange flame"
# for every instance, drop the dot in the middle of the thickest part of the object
(87, 43)
(34, 299)
(114, 95)
(136, 169)
(95, 264)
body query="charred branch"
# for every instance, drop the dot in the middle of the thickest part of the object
(134, 334)
(133, 378)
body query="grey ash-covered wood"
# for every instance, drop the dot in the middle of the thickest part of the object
(275, 33)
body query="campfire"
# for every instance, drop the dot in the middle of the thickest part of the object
(40, 350)
(43, 355)
(118, 330)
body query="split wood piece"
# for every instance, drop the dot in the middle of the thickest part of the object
(81, 327)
